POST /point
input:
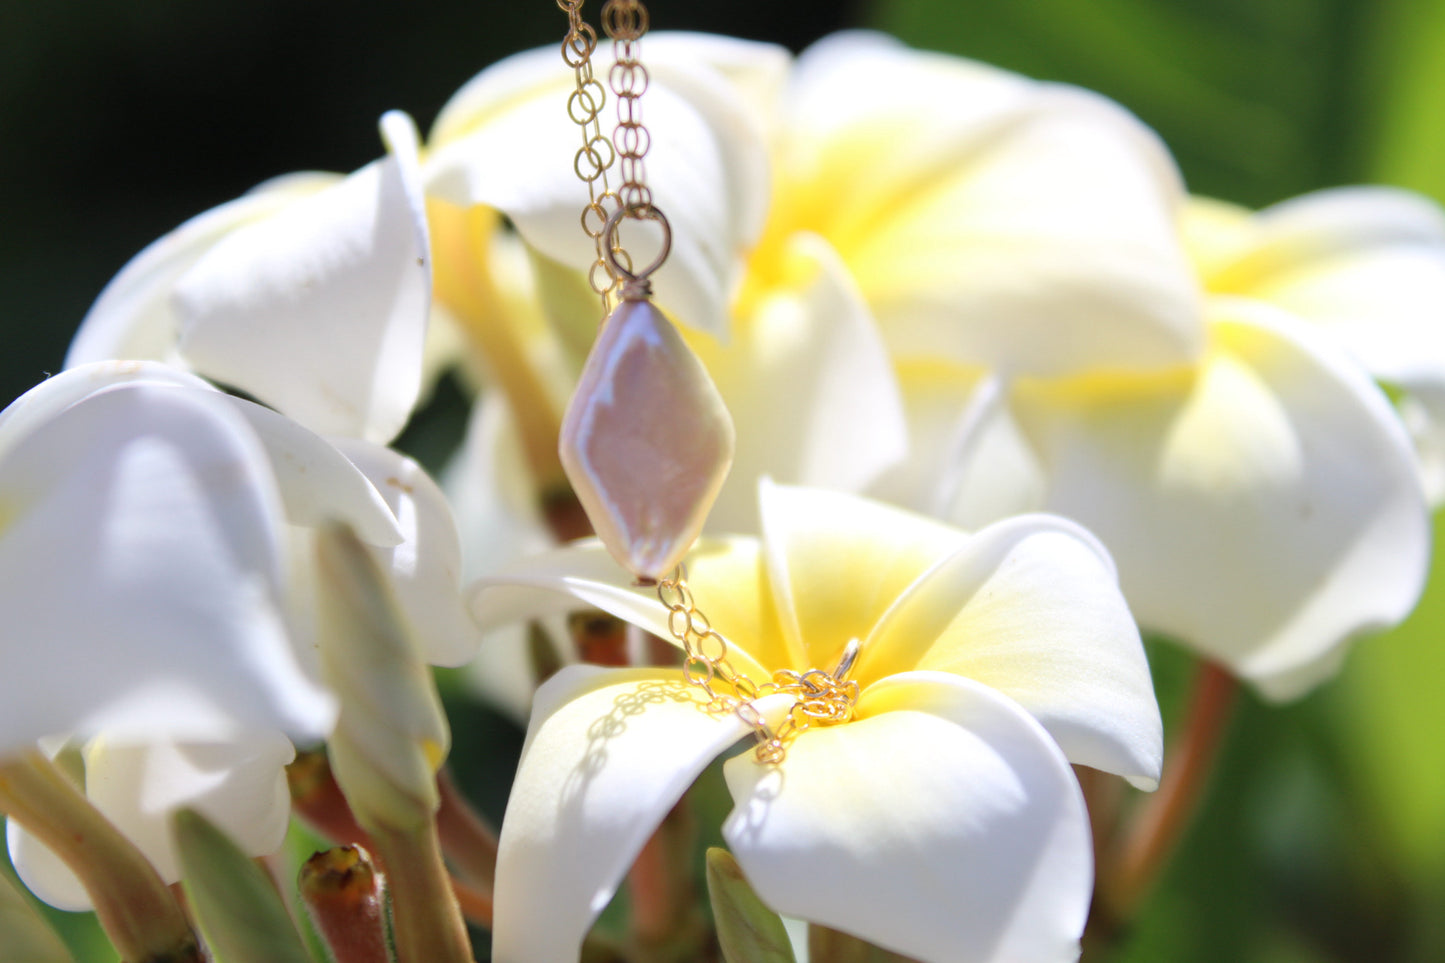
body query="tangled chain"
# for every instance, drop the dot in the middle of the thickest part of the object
(819, 697)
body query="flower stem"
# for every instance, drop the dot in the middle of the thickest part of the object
(428, 923)
(134, 906)
(666, 924)
(1159, 823)
(467, 839)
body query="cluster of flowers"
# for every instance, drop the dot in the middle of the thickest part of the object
(939, 299)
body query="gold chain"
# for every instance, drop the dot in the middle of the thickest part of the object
(596, 155)
(819, 697)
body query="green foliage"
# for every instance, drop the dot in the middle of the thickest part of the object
(234, 902)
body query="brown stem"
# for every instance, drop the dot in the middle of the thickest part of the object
(318, 801)
(134, 906)
(427, 920)
(1161, 820)
(468, 840)
(665, 923)
(345, 897)
(836, 947)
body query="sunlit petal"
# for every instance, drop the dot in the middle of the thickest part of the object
(732, 589)
(425, 569)
(321, 309)
(969, 462)
(134, 319)
(608, 753)
(809, 385)
(141, 568)
(1367, 263)
(1264, 509)
(943, 824)
(837, 562)
(60, 391)
(706, 167)
(239, 784)
(987, 218)
(1031, 607)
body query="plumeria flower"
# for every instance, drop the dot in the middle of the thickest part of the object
(311, 294)
(168, 629)
(1367, 265)
(1263, 505)
(941, 820)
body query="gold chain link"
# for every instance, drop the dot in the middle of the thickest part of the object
(819, 697)
(596, 155)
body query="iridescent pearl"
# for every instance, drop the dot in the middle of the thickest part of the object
(646, 440)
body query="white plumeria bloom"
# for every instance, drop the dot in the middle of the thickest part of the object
(311, 293)
(1367, 265)
(505, 142)
(942, 821)
(1263, 505)
(170, 628)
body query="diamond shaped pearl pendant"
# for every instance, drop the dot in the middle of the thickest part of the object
(646, 441)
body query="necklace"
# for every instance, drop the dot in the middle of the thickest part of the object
(646, 440)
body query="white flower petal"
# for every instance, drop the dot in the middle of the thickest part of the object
(492, 493)
(317, 482)
(731, 590)
(1031, 607)
(141, 568)
(969, 462)
(426, 567)
(133, 319)
(706, 167)
(1368, 263)
(987, 218)
(809, 383)
(943, 824)
(1264, 509)
(240, 785)
(55, 394)
(836, 562)
(321, 309)
(608, 753)
(43, 873)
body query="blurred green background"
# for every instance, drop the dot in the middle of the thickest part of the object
(1323, 837)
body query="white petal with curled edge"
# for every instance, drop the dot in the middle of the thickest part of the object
(425, 569)
(808, 381)
(492, 493)
(836, 563)
(56, 393)
(133, 319)
(989, 219)
(707, 169)
(141, 573)
(969, 462)
(240, 785)
(608, 753)
(43, 873)
(736, 599)
(1264, 509)
(943, 824)
(1031, 606)
(321, 310)
(1368, 263)
(317, 482)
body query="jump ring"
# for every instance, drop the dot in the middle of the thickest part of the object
(643, 211)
